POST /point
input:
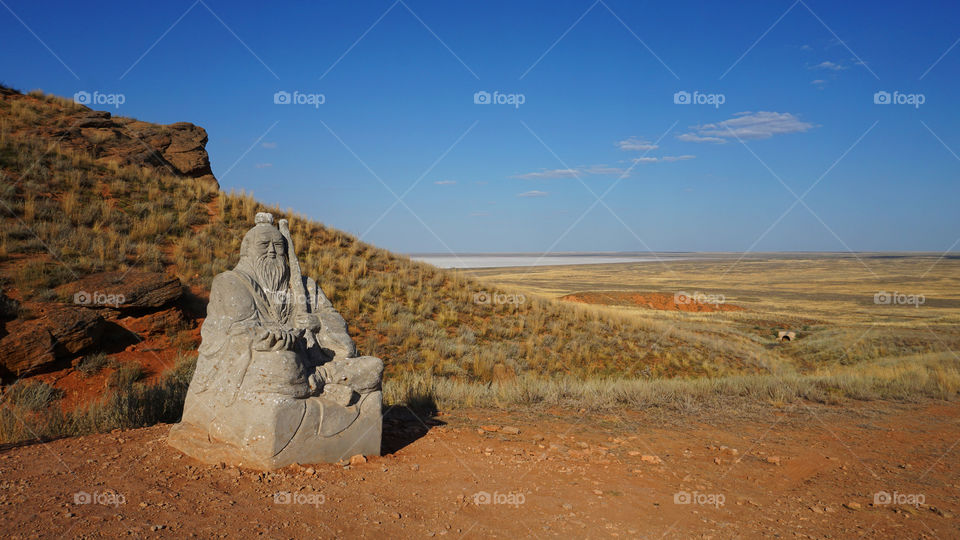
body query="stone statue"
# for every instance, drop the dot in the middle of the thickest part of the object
(277, 379)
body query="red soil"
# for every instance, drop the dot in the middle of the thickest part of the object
(666, 302)
(154, 352)
(803, 471)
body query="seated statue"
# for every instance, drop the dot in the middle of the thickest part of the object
(277, 379)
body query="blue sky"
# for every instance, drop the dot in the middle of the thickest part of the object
(598, 82)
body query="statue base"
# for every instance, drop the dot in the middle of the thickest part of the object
(266, 437)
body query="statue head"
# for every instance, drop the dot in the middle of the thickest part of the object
(264, 249)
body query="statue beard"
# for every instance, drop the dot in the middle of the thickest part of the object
(273, 274)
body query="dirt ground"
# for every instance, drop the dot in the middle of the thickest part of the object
(865, 470)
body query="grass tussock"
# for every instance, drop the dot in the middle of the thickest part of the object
(31, 410)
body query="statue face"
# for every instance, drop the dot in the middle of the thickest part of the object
(268, 252)
(269, 243)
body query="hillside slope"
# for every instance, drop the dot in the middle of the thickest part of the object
(85, 194)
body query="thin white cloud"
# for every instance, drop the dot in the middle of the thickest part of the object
(602, 169)
(544, 174)
(479, 214)
(662, 159)
(445, 182)
(269, 145)
(548, 173)
(263, 165)
(691, 137)
(634, 143)
(747, 125)
(826, 64)
(533, 193)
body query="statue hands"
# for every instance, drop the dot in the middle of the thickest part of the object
(307, 321)
(276, 339)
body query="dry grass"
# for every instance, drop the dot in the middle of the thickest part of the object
(31, 411)
(906, 379)
(827, 299)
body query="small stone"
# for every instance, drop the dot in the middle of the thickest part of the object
(490, 428)
(510, 430)
(358, 459)
(396, 515)
(940, 512)
(774, 459)
(852, 505)
(651, 459)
